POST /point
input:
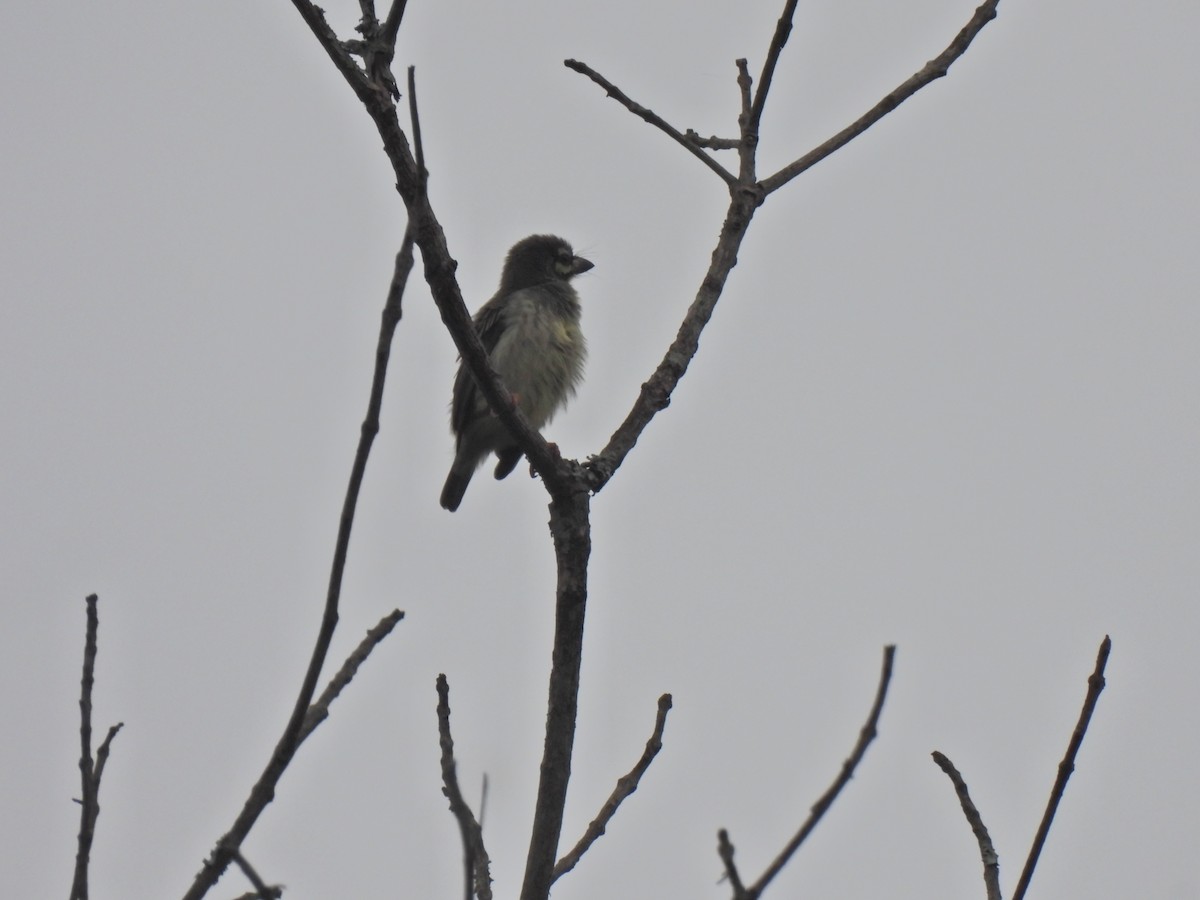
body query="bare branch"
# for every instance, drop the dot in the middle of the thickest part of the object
(418, 146)
(102, 756)
(571, 530)
(783, 28)
(477, 875)
(987, 850)
(865, 736)
(712, 142)
(90, 770)
(263, 791)
(1066, 767)
(933, 70)
(391, 25)
(653, 118)
(378, 49)
(655, 394)
(319, 711)
(625, 786)
(314, 17)
(725, 851)
(262, 890)
(747, 129)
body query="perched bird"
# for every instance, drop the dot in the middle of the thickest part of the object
(530, 329)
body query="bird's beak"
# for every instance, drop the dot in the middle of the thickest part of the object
(579, 265)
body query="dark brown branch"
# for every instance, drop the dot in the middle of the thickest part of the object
(319, 711)
(102, 756)
(625, 786)
(314, 17)
(477, 876)
(263, 791)
(825, 801)
(378, 49)
(570, 528)
(1066, 767)
(652, 117)
(90, 769)
(987, 850)
(783, 28)
(655, 394)
(391, 25)
(933, 70)
(415, 118)
(725, 851)
(262, 890)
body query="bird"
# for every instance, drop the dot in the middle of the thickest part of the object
(530, 330)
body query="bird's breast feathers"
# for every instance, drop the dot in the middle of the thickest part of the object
(541, 351)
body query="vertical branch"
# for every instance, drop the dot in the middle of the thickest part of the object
(571, 529)
(90, 769)
(477, 879)
(87, 802)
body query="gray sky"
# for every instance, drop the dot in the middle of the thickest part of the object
(948, 401)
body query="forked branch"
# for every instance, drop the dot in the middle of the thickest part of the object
(747, 193)
(477, 876)
(304, 717)
(991, 864)
(865, 736)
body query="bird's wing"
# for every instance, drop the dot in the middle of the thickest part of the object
(489, 322)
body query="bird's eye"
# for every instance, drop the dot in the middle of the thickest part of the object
(563, 262)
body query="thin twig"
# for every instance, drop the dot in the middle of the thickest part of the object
(725, 851)
(625, 786)
(865, 736)
(262, 890)
(933, 70)
(418, 146)
(263, 791)
(747, 128)
(987, 850)
(319, 711)
(1066, 767)
(783, 28)
(87, 802)
(477, 876)
(90, 769)
(652, 117)
(102, 756)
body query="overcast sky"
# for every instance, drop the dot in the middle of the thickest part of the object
(948, 400)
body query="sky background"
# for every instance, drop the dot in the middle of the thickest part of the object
(948, 401)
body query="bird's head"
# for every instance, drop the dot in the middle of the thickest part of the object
(540, 258)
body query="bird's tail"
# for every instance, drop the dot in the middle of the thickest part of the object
(456, 485)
